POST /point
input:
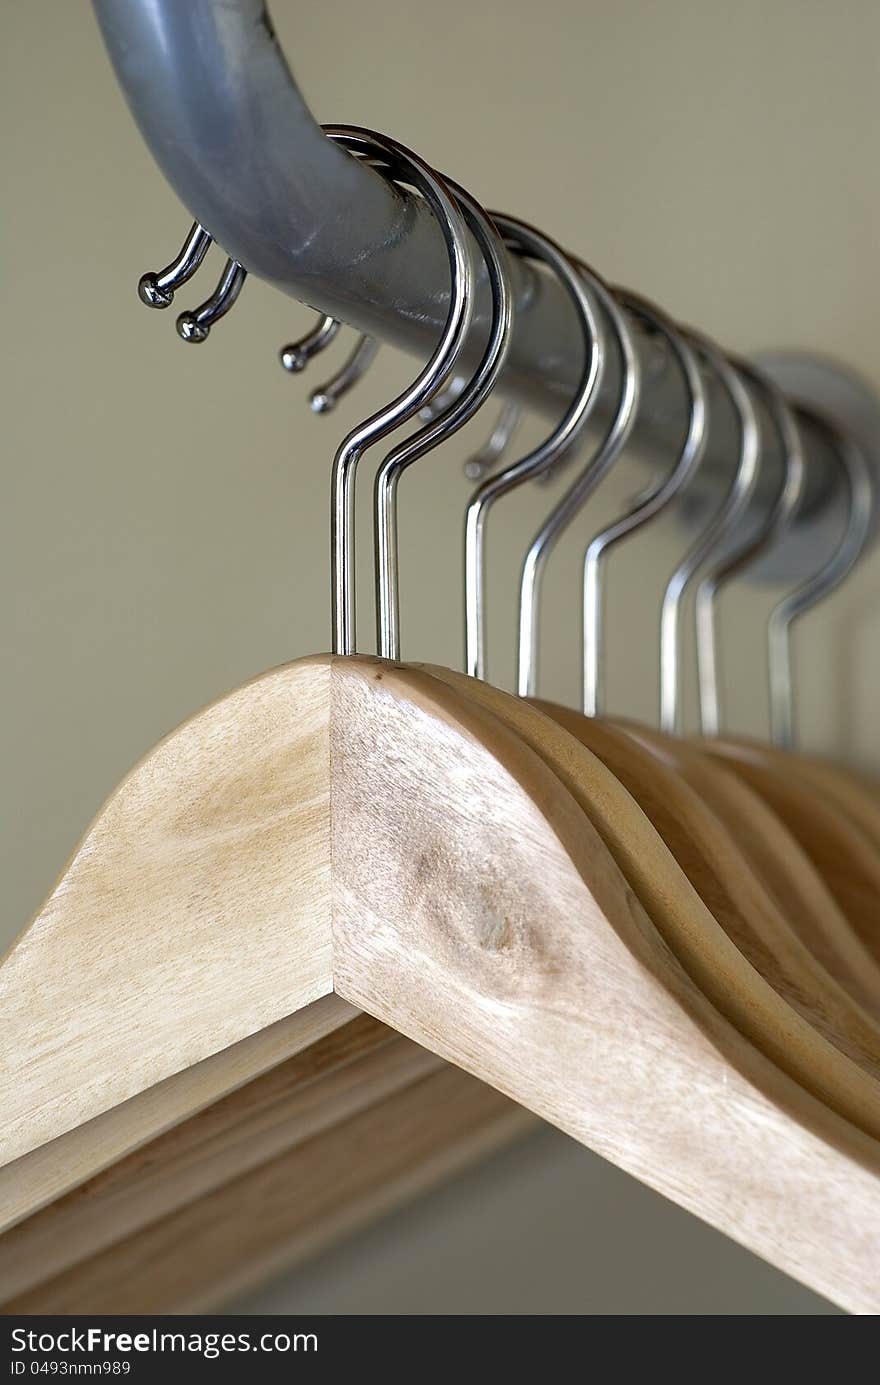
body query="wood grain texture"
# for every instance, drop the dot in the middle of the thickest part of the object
(779, 862)
(350, 1070)
(840, 852)
(857, 798)
(291, 1206)
(527, 923)
(684, 918)
(47, 1173)
(502, 935)
(195, 912)
(723, 876)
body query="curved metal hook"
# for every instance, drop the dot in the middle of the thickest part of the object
(476, 466)
(526, 240)
(296, 355)
(156, 288)
(197, 323)
(443, 399)
(721, 524)
(506, 424)
(592, 474)
(480, 463)
(750, 548)
(403, 165)
(646, 505)
(856, 475)
(465, 405)
(325, 398)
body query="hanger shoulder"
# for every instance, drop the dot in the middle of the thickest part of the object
(501, 932)
(503, 936)
(195, 912)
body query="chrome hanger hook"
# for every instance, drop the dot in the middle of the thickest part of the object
(195, 325)
(324, 399)
(156, 288)
(465, 404)
(527, 241)
(442, 400)
(591, 476)
(296, 356)
(404, 166)
(481, 462)
(721, 524)
(856, 476)
(647, 505)
(778, 515)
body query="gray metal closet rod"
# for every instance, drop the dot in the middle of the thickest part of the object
(216, 102)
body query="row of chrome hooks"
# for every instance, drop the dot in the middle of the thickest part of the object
(445, 402)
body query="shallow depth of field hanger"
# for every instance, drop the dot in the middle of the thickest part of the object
(290, 977)
(237, 902)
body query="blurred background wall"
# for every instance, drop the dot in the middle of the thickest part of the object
(164, 515)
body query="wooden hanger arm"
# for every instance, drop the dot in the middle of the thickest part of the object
(195, 913)
(839, 850)
(48, 1172)
(780, 861)
(845, 790)
(483, 940)
(233, 880)
(284, 1209)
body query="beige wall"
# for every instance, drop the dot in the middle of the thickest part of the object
(164, 516)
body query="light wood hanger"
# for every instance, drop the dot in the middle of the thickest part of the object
(722, 876)
(779, 862)
(669, 899)
(194, 914)
(282, 1212)
(258, 1180)
(49, 1171)
(504, 995)
(838, 849)
(222, 831)
(529, 979)
(853, 796)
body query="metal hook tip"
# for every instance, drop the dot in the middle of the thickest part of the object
(190, 329)
(293, 359)
(150, 292)
(322, 403)
(475, 471)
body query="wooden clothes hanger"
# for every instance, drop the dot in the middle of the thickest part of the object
(258, 1180)
(721, 871)
(79, 1135)
(778, 862)
(834, 817)
(752, 907)
(793, 883)
(711, 858)
(850, 794)
(530, 981)
(187, 1066)
(838, 849)
(685, 919)
(183, 965)
(756, 922)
